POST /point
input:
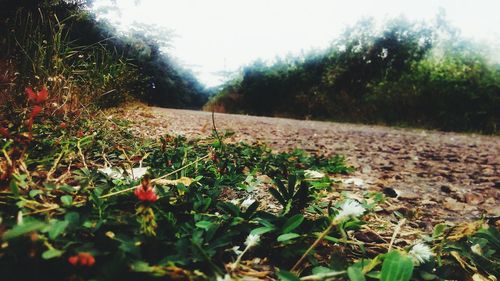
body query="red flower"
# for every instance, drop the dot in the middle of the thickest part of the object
(63, 125)
(31, 95)
(82, 259)
(37, 98)
(43, 95)
(145, 192)
(35, 111)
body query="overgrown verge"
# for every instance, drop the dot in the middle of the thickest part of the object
(90, 201)
(83, 199)
(39, 50)
(60, 46)
(406, 73)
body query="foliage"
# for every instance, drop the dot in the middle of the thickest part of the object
(39, 46)
(81, 198)
(66, 215)
(407, 73)
(59, 45)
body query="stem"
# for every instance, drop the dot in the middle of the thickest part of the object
(323, 276)
(81, 153)
(238, 260)
(208, 259)
(154, 180)
(315, 244)
(216, 132)
(56, 163)
(395, 234)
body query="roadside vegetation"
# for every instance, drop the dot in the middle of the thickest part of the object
(59, 45)
(82, 198)
(405, 73)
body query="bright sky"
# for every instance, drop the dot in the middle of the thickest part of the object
(223, 35)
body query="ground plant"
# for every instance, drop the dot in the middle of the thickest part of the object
(91, 201)
(84, 198)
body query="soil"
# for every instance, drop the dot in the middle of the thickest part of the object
(436, 176)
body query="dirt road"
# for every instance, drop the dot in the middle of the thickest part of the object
(448, 176)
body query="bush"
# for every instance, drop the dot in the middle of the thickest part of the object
(402, 75)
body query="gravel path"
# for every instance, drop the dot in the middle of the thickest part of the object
(444, 176)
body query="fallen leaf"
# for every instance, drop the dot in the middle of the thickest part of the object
(355, 181)
(184, 180)
(463, 230)
(462, 262)
(313, 174)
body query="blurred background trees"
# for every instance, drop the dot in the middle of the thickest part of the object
(405, 73)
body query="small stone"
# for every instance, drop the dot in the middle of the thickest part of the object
(391, 192)
(409, 195)
(453, 205)
(446, 189)
(473, 198)
(369, 236)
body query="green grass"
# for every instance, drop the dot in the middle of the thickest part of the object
(75, 203)
(57, 208)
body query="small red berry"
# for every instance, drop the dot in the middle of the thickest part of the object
(73, 260)
(82, 259)
(90, 260)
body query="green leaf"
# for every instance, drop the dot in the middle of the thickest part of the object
(277, 196)
(287, 276)
(262, 230)
(292, 181)
(73, 218)
(287, 207)
(141, 266)
(67, 200)
(67, 188)
(13, 187)
(375, 274)
(252, 208)
(490, 234)
(396, 267)
(355, 273)
(35, 192)
(51, 253)
(204, 224)
(287, 236)
(230, 208)
(292, 223)
(57, 228)
(438, 230)
(283, 190)
(22, 229)
(321, 270)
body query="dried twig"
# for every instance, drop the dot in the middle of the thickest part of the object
(156, 179)
(397, 229)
